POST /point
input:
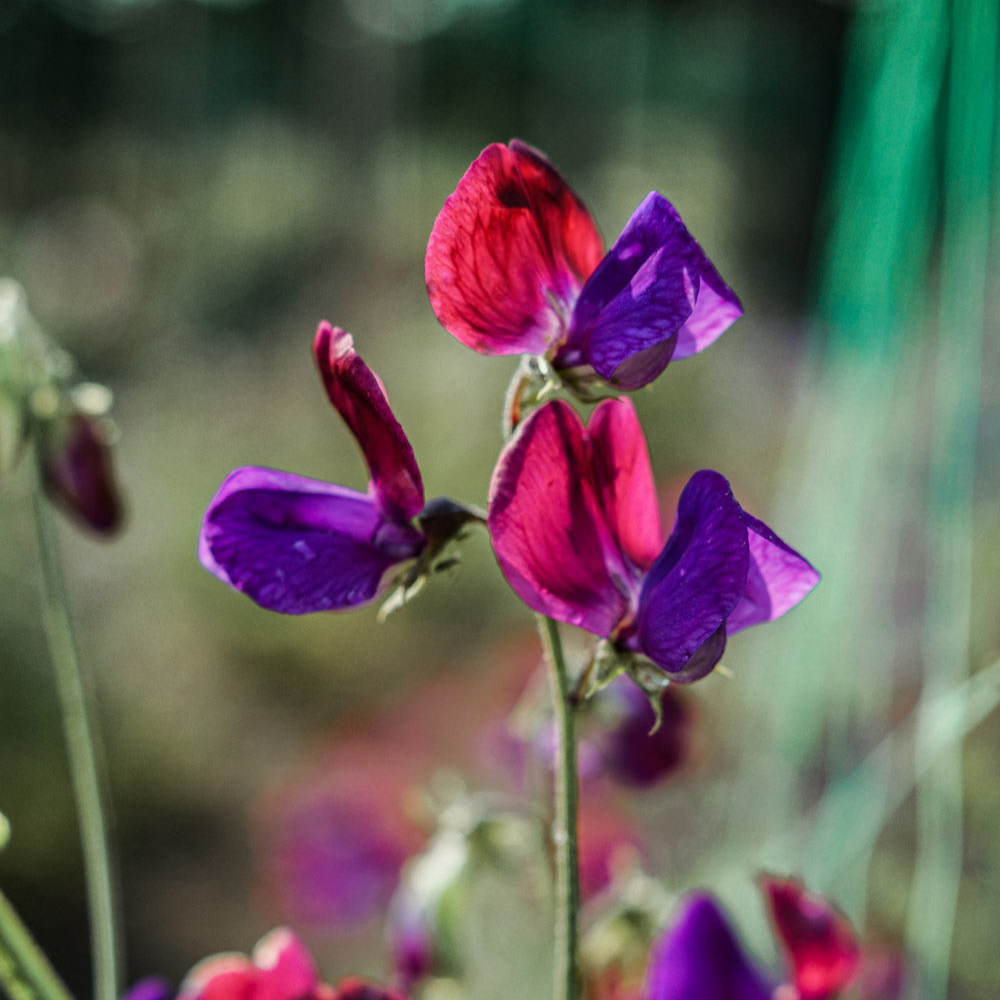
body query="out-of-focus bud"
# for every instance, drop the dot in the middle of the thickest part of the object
(75, 440)
(638, 749)
(615, 950)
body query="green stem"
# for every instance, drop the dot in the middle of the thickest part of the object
(25, 972)
(80, 748)
(564, 825)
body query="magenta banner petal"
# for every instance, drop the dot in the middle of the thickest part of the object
(700, 958)
(296, 545)
(286, 969)
(777, 579)
(359, 397)
(546, 525)
(623, 478)
(509, 252)
(818, 941)
(698, 579)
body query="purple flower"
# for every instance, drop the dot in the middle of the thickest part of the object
(633, 752)
(516, 265)
(575, 524)
(297, 545)
(699, 955)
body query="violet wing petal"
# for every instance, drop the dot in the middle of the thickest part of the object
(624, 480)
(359, 397)
(509, 252)
(638, 298)
(698, 579)
(296, 545)
(546, 525)
(700, 958)
(715, 310)
(777, 578)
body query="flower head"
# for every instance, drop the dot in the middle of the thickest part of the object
(279, 968)
(515, 265)
(297, 545)
(575, 524)
(700, 956)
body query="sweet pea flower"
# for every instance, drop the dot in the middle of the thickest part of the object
(575, 524)
(297, 545)
(279, 968)
(700, 956)
(515, 265)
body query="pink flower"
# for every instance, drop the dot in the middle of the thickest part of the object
(575, 524)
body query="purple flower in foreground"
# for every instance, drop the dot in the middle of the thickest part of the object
(297, 545)
(575, 524)
(516, 265)
(699, 955)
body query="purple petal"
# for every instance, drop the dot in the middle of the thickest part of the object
(632, 752)
(697, 581)
(546, 525)
(360, 399)
(297, 545)
(654, 296)
(624, 480)
(715, 311)
(777, 579)
(700, 958)
(150, 988)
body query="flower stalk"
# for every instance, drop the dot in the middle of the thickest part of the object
(85, 774)
(565, 821)
(25, 972)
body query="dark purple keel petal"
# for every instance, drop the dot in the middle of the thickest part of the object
(359, 397)
(641, 301)
(700, 958)
(546, 525)
(624, 480)
(296, 545)
(697, 581)
(509, 252)
(777, 579)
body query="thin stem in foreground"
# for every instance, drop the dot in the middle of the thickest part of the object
(565, 822)
(25, 972)
(83, 766)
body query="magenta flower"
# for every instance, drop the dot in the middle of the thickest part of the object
(297, 545)
(575, 524)
(280, 968)
(515, 265)
(700, 956)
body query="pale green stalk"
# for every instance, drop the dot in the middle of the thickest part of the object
(565, 821)
(84, 773)
(25, 972)
(965, 248)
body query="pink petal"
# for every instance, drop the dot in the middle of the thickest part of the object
(818, 941)
(227, 976)
(509, 253)
(547, 526)
(287, 970)
(359, 398)
(777, 578)
(624, 480)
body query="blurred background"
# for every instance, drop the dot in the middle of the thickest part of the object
(187, 188)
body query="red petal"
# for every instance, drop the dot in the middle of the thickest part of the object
(509, 253)
(624, 479)
(547, 527)
(818, 941)
(360, 399)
